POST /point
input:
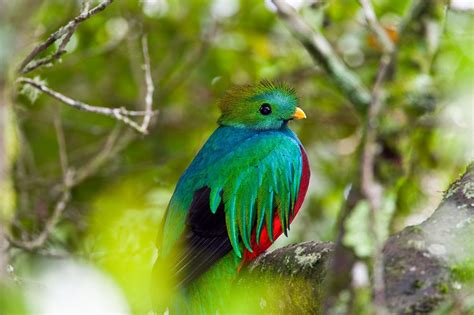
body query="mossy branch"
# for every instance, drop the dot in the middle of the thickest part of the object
(418, 261)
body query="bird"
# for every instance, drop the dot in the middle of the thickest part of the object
(239, 194)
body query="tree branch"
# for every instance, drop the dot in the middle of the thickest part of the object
(321, 51)
(40, 239)
(372, 191)
(375, 26)
(150, 88)
(71, 179)
(366, 187)
(112, 145)
(67, 184)
(120, 114)
(417, 261)
(66, 31)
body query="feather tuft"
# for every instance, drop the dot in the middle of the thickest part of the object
(245, 92)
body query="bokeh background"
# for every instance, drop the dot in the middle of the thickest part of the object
(103, 246)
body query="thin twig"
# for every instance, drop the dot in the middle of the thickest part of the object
(112, 145)
(50, 59)
(110, 148)
(321, 51)
(67, 184)
(41, 238)
(60, 206)
(120, 114)
(367, 188)
(375, 26)
(67, 31)
(369, 144)
(70, 180)
(149, 87)
(372, 191)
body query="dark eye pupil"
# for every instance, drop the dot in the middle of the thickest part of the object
(265, 109)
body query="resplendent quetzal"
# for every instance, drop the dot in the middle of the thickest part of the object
(240, 193)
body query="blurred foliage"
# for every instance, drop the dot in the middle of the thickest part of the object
(10, 148)
(198, 50)
(12, 301)
(359, 235)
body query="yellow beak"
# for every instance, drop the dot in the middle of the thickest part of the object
(299, 114)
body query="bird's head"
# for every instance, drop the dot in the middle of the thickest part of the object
(263, 106)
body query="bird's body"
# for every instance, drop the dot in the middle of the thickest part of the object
(239, 194)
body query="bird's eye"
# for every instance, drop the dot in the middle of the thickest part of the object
(265, 109)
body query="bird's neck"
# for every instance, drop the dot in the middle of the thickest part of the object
(250, 131)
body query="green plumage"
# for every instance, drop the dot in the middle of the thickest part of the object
(250, 168)
(262, 170)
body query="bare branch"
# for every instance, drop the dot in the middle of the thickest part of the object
(367, 188)
(110, 148)
(120, 114)
(376, 104)
(368, 183)
(86, 4)
(112, 145)
(372, 191)
(66, 31)
(149, 87)
(41, 238)
(322, 52)
(68, 176)
(70, 180)
(50, 59)
(375, 26)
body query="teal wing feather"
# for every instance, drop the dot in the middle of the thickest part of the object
(259, 175)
